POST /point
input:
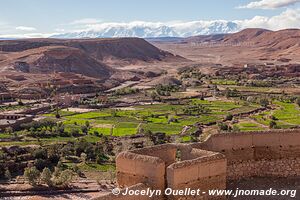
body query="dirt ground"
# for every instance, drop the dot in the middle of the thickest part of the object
(78, 196)
(79, 110)
(88, 189)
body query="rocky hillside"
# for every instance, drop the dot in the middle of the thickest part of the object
(89, 57)
(282, 39)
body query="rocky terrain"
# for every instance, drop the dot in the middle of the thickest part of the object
(107, 63)
(90, 57)
(244, 47)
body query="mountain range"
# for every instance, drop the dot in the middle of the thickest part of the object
(155, 30)
(100, 58)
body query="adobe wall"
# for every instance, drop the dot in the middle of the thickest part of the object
(146, 165)
(273, 153)
(208, 171)
(159, 168)
(210, 164)
(15, 121)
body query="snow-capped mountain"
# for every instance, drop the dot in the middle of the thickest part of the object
(153, 30)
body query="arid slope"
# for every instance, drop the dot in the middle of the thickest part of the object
(90, 57)
(249, 45)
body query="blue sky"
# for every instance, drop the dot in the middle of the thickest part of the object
(47, 16)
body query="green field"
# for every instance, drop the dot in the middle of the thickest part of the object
(286, 115)
(249, 126)
(155, 118)
(12, 107)
(223, 82)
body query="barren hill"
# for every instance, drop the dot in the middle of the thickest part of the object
(90, 57)
(50, 59)
(120, 48)
(206, 38)
(249, 45)
(246, 35)
(278, 40)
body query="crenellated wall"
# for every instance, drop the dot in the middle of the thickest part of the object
(210, 164)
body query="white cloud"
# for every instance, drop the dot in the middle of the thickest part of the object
(290, 18)
(287, 19)
(60, 30)
(86, 21)
(269, 4)
(27, 35)
(25, 28)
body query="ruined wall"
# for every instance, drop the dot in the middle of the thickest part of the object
(205, 172)
(15, 123)
(157, 167)
(146, 165)
(210, 164)
(133, 169)
(166, 152)
(274, 153)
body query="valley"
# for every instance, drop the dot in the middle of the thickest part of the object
(72, 105)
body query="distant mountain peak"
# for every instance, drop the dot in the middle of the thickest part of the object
(155, 30)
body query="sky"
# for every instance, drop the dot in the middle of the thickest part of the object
(35, 18)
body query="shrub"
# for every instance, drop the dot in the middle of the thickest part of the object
(41, 164)
(46, 177)
(32, 175)
(101, 158)
(76, 169)
(83, 157)
(66, 177)
(84, 129)
(236, 129)
(87, 124)
(20, 103)
(159, 138)
(298, 101)
(60, 165)
(273, 117)
(97, 134)
(56, 172)
(223, 127)
(229, 117)
(75, 132)
(7, 174)
(40, 154)
(231, 93)
(63, 178)
(9, 130)
(272, 124)
(264, 102)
